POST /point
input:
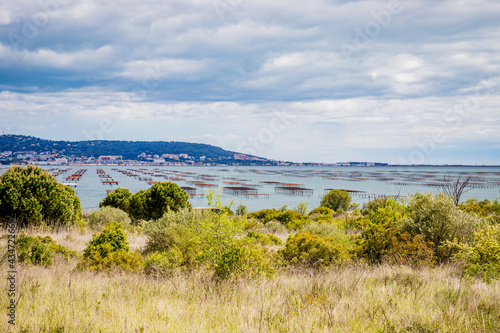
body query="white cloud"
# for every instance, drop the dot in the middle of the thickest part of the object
(222, 75)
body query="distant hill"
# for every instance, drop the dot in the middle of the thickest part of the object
(128, 149)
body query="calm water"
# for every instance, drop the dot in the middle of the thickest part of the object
(373, 181)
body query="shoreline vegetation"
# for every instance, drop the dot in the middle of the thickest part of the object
(147, 262)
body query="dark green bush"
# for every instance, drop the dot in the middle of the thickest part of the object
(150, 204)
(119, 198)
(162, 197)
(305, 249)
(336, 199)
(32, 196)
(137, 206)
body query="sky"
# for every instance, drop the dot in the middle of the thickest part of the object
(397, 81)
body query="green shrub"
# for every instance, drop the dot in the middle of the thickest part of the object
(480, 208)
(379, 229)
(241, 210)
(109, 250)
(176, 230)
(101, 217)
(150, 204)
(301, 208)
(119, 198)
(162, 197)
(243, 259)
(336, 199)
(305, 249)
(374, 205)
(104, 258)
(228, 255)
(39, 250)
(164, 263)
(137, 206)
(32, 196)
(321, 211)
(265, 215)
(482, 257)
(269, 239)
(438, 219)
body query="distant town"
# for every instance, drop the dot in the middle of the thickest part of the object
(21, 149)
(166, 159)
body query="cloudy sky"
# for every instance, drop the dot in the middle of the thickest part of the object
(321, 81)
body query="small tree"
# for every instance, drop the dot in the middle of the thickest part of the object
(336, 199)
(150, 204)
(439, 220)
(163, 197)
(455, 188)
(119, 198)
(32, 196)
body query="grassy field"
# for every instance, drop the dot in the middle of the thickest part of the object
(355, 298)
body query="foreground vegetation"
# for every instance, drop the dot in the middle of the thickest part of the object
(147, 262)
(385, 298)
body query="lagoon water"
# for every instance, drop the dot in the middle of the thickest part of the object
(373, 181)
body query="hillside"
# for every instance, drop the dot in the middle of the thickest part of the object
(128, 149)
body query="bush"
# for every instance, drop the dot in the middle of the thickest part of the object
(405, 250)
(39, 250)
(327, 230)
(241, 210)
(321, 211)
(482, 257)
(109, 250)
(301, 208)
(480, 208)
(243, 259)
(176, 230)
(264, 239)
(438, 219)
(163, 264)
(265, 215)
(374, 205)
(150, 204)
(137, 206)
(119, 198)
(336, 199)
(305, 249)
(379, 229)
(32, 196)
(163, 197)
(100, 218)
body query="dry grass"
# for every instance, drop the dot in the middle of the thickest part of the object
(350, 299)
(77, 240)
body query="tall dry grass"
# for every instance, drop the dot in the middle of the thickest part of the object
(351, 299)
